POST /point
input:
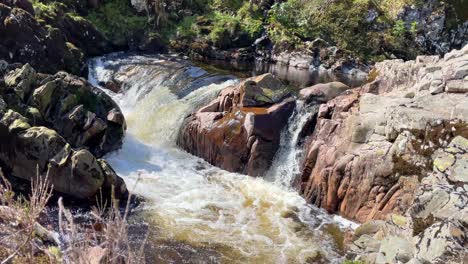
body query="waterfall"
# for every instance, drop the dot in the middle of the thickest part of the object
(232, 218)
(286, 164)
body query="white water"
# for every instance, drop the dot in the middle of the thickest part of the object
(286, 164)
(245, 219)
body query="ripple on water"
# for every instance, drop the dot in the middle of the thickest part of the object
(198, 213)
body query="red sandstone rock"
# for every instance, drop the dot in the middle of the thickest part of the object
(240, 130)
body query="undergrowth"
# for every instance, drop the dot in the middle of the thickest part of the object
(24, 240)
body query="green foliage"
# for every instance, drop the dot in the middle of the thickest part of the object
(414, 27)
(117, 20)
(48, 11)
(187, 28)
(399, 29)
(285, 23)
(228, 6)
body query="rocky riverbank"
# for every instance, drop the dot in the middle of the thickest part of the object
(59, 125)
(393, 149)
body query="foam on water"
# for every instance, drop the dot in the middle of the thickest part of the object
(286, 164)
(246, 219)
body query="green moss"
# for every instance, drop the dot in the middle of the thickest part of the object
(48, 11)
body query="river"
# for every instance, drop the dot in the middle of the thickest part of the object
(197, 213)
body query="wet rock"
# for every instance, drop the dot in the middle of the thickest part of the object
(113, 86)
(240, 130)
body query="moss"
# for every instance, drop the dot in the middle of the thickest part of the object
(443, 162)
(399, 220)
(337, 235)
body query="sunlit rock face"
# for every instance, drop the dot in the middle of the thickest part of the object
(373, 145)
(433, 230)
(59, 126)
(240, 130)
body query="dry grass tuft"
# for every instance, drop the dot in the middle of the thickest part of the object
(24, 240)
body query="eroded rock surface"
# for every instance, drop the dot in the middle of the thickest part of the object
(240, 130)
(373, 145)
(435, 227)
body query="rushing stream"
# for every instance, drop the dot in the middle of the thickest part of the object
(199, 213)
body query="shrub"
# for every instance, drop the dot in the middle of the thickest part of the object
(399, 29)
(117, 20)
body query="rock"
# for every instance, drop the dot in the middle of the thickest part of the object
(139, 5)
(22, 4)
(372, 145)
(153, 44)
(113, 86)
(82, 123)
(240, 130)
(39, 149)
(321, 93)
(444, 242)
(116, 116)
(433, 229)
(25, 40)
(81, 113)
(78, 31)
(395, 249)
(3, 66)
(21, 80)
(444, 161)
(262, 90)
(458, 86)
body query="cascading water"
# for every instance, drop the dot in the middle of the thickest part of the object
(232, 218)
(286, 164)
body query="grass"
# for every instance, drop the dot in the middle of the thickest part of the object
(24, 240)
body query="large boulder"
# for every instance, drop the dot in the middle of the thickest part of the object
(24, 40)
(323, 92)
(59, 125)
(84, 115)
(240, 130)
(372, 145)
(40, 151)
(77, 30)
